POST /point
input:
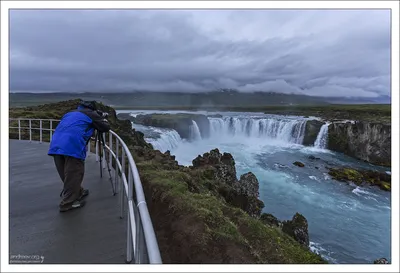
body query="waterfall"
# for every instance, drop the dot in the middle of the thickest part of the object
(298, 132)
(288, 130)
(194, 131)
(322, 138)
(167, 140)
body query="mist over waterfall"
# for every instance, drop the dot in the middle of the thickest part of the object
(287, 130)
(322, 138)
(194, 131)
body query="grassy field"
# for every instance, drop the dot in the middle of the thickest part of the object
(365, 112)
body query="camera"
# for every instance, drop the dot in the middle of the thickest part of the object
(92, 105)
(102, 114)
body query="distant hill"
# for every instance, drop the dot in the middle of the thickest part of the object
(222, 98)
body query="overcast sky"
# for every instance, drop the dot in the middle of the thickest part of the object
(315, 52)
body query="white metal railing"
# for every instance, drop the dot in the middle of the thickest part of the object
(30, 128)
(142, 246)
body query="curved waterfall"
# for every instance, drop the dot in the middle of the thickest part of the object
(288, 130)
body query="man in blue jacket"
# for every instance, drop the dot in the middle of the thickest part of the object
(68, 147)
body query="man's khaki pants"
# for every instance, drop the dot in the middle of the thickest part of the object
(71, 171)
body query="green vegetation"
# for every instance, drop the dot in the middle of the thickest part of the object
(374, 178)
(192, 220)
(219, 222)
(35, 99)
(363, 112)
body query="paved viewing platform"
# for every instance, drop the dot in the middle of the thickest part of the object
(92, 234)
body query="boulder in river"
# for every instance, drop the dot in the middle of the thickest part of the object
(359, 177)
(298, 164)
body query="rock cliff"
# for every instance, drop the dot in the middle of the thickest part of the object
(180, 122)
(242, 193)
(311, 132)
(363, 140)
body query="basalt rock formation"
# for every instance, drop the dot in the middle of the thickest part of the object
(311, 132)
(363, 140)
(242, 193)
(298, 229)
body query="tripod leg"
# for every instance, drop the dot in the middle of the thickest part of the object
(100, 155)
(108, 164)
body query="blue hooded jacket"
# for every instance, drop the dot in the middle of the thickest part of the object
(74, 131)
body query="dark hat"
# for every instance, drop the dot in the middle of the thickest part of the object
(89, 104)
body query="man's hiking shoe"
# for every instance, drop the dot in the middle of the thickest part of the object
(84, 193)
(71, 206)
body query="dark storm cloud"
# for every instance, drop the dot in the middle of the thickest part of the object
(328, 53)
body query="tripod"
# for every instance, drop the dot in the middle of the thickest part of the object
(99, 137)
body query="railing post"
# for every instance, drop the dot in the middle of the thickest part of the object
(30, 130)
(129, 241)
(122, 184)
(138, 243)
(40, 131)
(110, 146)
(116, 176)
(104, 151)
(130, 184)
(19, 129)
(51, 129)
(129, 245)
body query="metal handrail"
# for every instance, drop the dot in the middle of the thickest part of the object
(142, 246)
